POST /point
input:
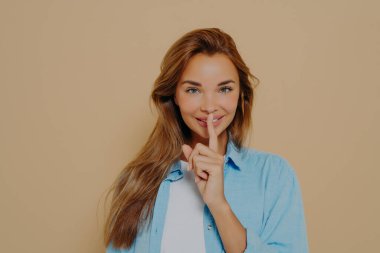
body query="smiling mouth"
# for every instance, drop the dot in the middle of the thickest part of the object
(214, 120)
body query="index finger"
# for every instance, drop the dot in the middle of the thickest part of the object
(213, 140)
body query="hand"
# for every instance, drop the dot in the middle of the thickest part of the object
(208, 167)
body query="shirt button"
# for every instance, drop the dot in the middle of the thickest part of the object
(209, 227)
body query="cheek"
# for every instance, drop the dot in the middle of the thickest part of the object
(188, 105)
(230, 104)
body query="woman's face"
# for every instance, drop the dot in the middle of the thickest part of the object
(209, 84)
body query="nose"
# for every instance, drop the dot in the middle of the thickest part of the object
(208, 103)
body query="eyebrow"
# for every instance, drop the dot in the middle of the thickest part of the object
(198, 84)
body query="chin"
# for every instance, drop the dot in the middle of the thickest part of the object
(199, 135)
(204, 134)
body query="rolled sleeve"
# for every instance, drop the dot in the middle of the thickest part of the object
(255, 244)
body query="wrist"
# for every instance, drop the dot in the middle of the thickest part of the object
(219, 208)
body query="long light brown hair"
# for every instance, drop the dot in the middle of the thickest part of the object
(135, 189)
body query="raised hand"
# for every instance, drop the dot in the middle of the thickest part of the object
(208, 167)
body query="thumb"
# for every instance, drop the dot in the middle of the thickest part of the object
(186, 151)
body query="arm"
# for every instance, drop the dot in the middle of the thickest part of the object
(284, 228)
(231, 231)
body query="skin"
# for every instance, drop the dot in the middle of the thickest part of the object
(205, 153)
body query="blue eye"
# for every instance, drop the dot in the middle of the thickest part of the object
(191, 90)
(226, 89)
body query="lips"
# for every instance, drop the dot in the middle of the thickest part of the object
(216, 121)
(204, 119)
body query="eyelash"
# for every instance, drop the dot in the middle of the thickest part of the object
(223, 88)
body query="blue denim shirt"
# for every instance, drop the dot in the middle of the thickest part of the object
(263, 192)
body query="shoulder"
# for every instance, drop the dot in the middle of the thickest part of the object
(267, 164)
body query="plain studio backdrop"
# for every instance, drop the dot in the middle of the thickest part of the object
(75, 80)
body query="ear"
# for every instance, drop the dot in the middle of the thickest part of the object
(175, 100)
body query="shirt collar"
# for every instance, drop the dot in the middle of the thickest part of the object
(233, 155)
(175, 172)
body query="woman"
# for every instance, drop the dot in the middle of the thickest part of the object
(194, 187)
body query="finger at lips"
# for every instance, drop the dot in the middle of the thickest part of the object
(213, 140)
(202, 149)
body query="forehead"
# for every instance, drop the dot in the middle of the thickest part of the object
(206, 68)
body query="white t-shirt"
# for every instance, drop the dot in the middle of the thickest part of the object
(183, 229)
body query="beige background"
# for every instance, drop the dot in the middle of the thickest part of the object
(75, 80)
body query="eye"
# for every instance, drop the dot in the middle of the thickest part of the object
(226, 89)
(191, 90)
